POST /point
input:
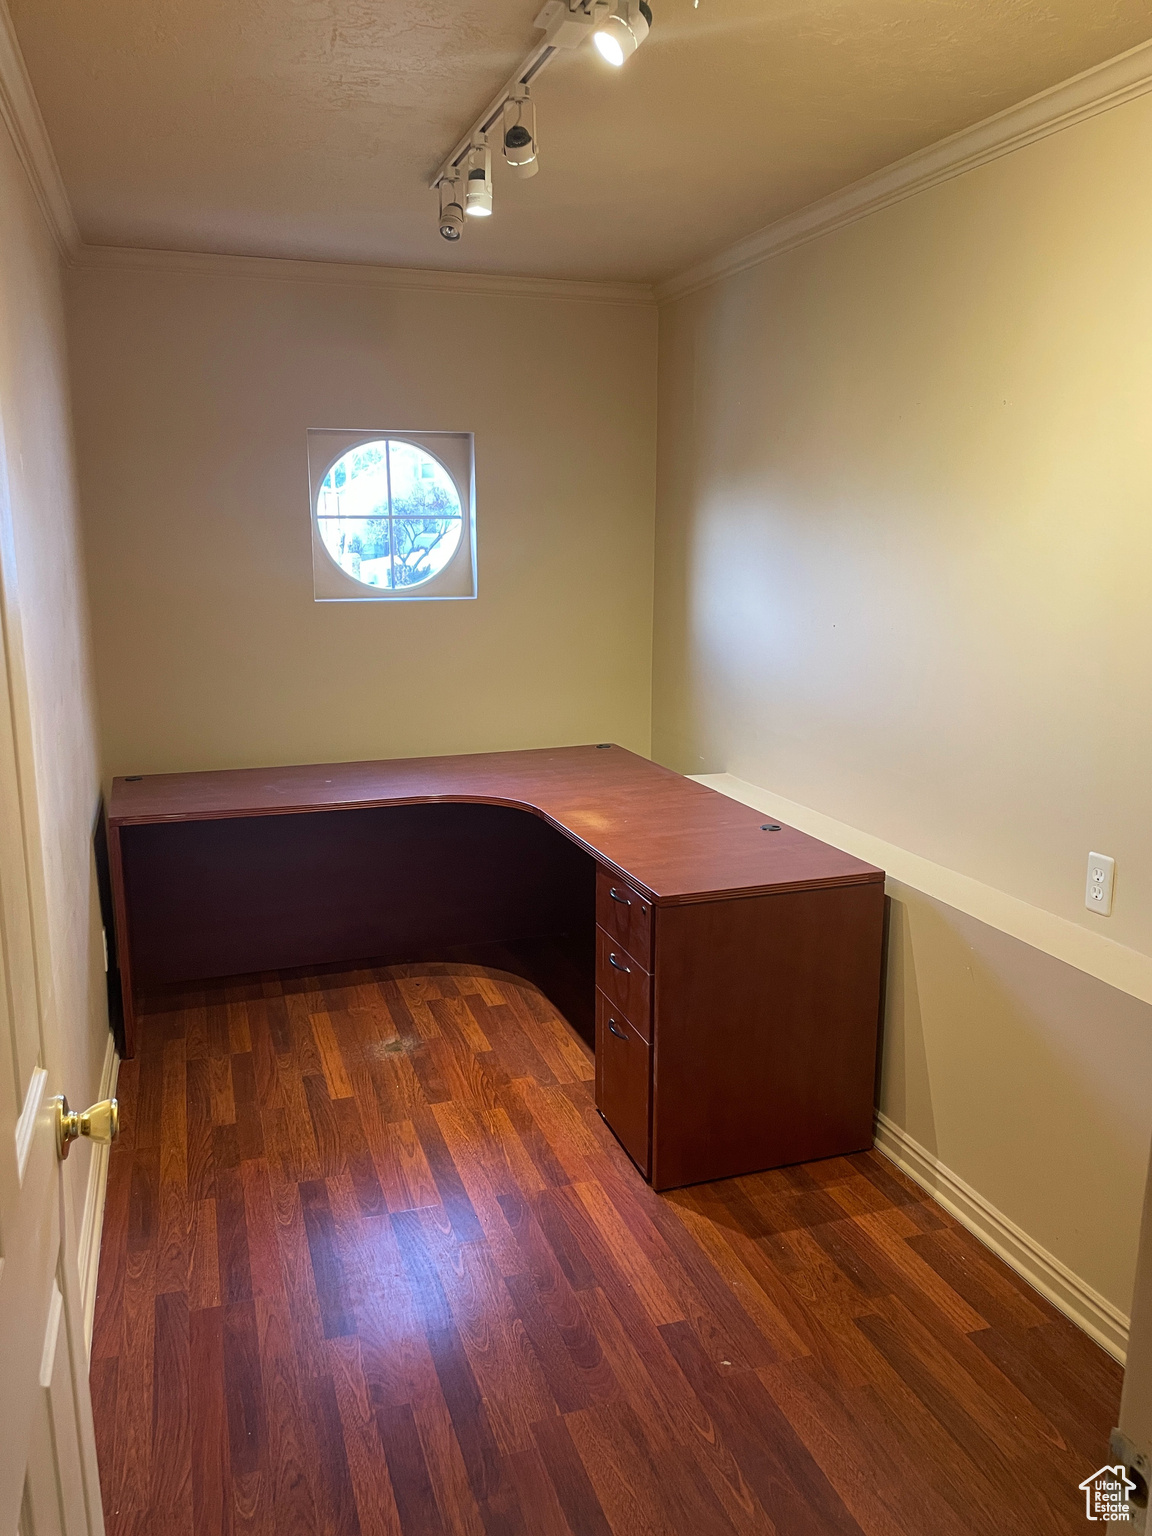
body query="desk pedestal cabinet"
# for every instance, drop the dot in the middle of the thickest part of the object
(736, 1034)
(732, 969)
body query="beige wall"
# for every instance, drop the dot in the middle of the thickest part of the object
(193, 395)
(903, 544)
(47, 642)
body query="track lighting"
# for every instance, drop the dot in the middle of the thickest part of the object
(451, 209)
(464, 179)
(478, 187)
(520, 135)
(624, 31)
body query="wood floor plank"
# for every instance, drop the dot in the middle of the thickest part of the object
(297, 1271)
(882, 1489)
(949, 1376)
(543, 1513)
(247, 1437)
(512, 1385)
(955, 1410)
(575, 1494)
(408, 1471)
(260, 1230)
(403, 1170)
(789, 1483)
(132, 1471)
(951, 1305)
(198, 1129)
(476, 1141)
(699, 1290)
(458, 1025)
(446, 1470)
(488, 1478)
(962, 1267)
(618, 1463)
(220, 1088)
(232, 1237)
(373, 1265)
(327, 1260)
(395, 1357)
(1041, 1363)
(563, 1305)
(899, 1193)
(367, 1465)
(171, 1429)
(446, 1176)
(357, 1157)
(204, 1275)
(331, 1057)
(211, 1467)
(514, 1101)
(337, 1511)
(249, 1127)
(704, 1488)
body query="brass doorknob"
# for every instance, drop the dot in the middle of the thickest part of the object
(100, 1123)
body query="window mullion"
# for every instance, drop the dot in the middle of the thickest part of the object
(391, 519)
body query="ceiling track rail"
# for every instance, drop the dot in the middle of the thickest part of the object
(565, 24)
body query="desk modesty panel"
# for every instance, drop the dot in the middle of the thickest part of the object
(731, 973)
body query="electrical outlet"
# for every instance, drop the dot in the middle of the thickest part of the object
(1098, 891)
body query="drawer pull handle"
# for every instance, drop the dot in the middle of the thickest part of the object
(616, 896)
(619, 1033)
(612, 961)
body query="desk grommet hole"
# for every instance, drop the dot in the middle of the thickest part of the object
(133, 778)
(602, 746)
(770, 826)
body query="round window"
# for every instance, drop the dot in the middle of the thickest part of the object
(389, 514)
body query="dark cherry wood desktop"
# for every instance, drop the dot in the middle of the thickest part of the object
(729, 966)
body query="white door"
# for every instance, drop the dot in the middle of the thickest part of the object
(48, 1478)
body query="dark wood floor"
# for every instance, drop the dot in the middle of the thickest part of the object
(372, 1263)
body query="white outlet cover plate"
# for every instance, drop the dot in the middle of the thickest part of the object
(1098, 887)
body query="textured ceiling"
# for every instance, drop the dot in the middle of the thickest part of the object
(308, 128)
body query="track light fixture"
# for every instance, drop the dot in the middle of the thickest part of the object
(520, 135)
(464, 180)
(623, 31)
(478, 187)
(451, 209)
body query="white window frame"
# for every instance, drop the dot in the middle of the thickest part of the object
(456, 452)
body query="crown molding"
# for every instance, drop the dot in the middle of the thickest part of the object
(1096, 90)
(120, 258)
(20, 114)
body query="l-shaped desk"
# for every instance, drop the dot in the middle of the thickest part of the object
(729, 965)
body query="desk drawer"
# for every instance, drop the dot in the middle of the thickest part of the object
(623, 1076)
(625, 983)
(625, 914)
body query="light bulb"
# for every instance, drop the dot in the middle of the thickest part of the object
(609, 43)
(624, 31)
(478, 186)
(451, 210)
(478, 200)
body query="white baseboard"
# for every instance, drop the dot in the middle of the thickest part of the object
(1043, 1271)
(88, 1257)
